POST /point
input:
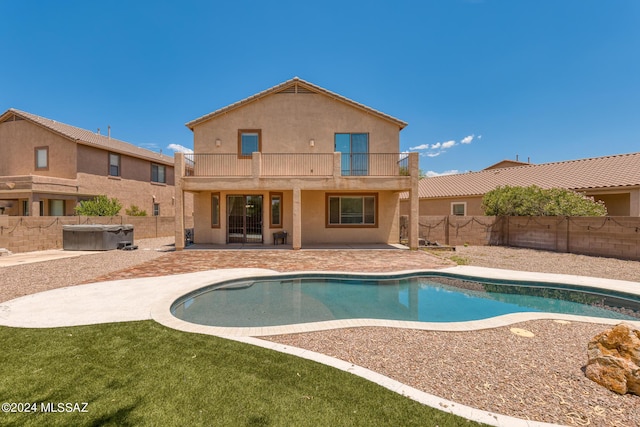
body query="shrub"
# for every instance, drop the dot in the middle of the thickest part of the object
(99, 206)
(535, 201)
(135, 211)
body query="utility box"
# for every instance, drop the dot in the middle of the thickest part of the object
(96, 237)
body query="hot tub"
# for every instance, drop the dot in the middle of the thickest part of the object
(96, 237)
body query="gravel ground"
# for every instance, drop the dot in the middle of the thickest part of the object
(28, 279)
(539, 378)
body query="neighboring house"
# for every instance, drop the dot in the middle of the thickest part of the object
(47, 167)
(301, 159)
(615, 180)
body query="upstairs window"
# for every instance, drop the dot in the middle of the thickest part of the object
(114, 164)
(249, 141)
(42, 158)
(158, 173)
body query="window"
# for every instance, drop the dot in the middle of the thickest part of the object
(355, 153)
(459, 208)
(42, 158)
(25, 208)
(156, 209)
(114, 164)
(215, 210)
(276, 210)
(249, 141)
(158, 173)
(353, 210)
(56, 207)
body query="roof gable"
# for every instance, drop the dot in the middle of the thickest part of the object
(298, 86)
(621, 170)
(87, 137)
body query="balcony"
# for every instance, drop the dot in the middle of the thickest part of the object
(274, 165)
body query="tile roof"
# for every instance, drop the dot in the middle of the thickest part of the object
(87, 137)
(296, 84)
(621, 170)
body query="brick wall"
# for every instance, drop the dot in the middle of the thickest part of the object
(617, 237)
(25, 234)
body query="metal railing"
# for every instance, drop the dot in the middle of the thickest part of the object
(374, 164)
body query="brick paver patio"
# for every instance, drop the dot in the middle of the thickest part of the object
(347, 260)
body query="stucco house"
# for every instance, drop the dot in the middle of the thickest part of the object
(47, 167)
(615, 180)
(300, 159)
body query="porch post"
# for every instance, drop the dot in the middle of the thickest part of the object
(297, 218)
(414, 200)
(178, 169)
(34, 200)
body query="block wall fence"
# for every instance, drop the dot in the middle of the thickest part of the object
(616, 237)
(28, 233)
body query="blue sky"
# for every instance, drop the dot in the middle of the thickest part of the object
(478, 81)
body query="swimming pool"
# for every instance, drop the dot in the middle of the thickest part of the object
(422, 297)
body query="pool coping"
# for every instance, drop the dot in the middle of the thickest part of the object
(161, 313)
(151, 298)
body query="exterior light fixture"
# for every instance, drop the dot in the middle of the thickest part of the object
(218, 142)
(312, 142)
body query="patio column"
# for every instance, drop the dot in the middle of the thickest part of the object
(34, 200)
(178, 169)
(297, 218)
(414, 201)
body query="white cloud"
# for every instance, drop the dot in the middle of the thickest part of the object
(431, 174)
(420, 147)
(448, 144)
(435, 146)
(436, 154)
(179, 148)
(467, 139)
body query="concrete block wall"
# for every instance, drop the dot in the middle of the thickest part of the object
(26, 234)
(617, 237)
(460, 230)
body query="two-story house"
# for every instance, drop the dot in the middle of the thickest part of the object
(47, 167)
(299, 159)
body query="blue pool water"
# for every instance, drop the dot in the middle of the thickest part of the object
(304, 299)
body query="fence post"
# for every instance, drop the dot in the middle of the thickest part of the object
(446, 230)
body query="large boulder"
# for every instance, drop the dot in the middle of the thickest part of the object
(614, 359)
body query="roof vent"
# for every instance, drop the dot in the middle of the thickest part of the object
(296, 88)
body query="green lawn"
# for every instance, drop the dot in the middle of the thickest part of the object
(141, 373)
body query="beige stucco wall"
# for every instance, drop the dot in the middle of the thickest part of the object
(84, 170)
(18, 140)
(314, 228)
(442, 206)
(205, 234)
(618, 202)
(289, 121)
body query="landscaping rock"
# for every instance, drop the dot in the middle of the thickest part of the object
(614, 359)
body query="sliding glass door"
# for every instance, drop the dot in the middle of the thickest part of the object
(355, 153)
(244, 223)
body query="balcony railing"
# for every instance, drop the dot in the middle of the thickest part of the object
(297, 164)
